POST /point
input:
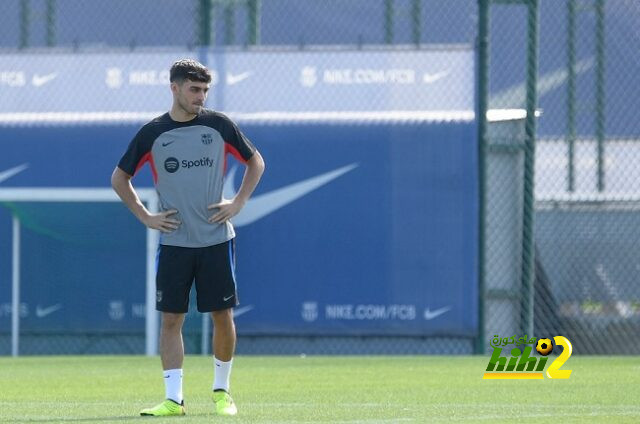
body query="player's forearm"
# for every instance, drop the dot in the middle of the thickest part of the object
(252, 175)
(121, 184)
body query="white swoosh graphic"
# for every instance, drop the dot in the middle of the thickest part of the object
(431, 78)
(43, 312)
(515, 96)
(5, 175)
(264, 204)
(234, 79)
(242, 310)
(40, 80)
(428, 314)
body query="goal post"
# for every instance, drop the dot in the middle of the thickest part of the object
(84, 195)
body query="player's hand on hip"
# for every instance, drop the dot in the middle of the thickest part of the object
(161, 221)
(227, 209)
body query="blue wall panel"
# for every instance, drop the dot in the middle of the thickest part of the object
(384, 245)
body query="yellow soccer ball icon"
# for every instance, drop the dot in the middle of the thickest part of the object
(544, 347)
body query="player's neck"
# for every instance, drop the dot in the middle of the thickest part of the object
(180, 115)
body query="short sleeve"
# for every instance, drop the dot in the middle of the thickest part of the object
(236, 142)
(138, 152)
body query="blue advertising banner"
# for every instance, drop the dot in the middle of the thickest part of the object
(371, 80)
(243, 81)
(355, 229)
(100, 82)
(364, 223)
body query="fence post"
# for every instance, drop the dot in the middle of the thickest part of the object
(25, 18)
(51, 23)
(388, 21)
(229, 14)
(528, 241)
(204, 14)
(571, 93)
(483, 95)
(600, 105)
(253, 36)
(416, 20)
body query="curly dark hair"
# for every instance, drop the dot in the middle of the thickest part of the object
(189, 69)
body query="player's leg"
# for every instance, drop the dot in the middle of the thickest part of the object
(171, 344)
(172, 356)
(216, 286)
(224, 343)
(176, 266)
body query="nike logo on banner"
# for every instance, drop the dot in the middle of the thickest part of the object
(515, 96)
(241, 311)
(5, 175)
(267, 203)
(431, 78)
(429, 314)
(234, 79)
(43, 312)
(40, 80)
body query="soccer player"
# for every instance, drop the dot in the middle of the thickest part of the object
(186, 149)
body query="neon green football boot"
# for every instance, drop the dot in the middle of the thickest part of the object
(224, 403)
(165, 409)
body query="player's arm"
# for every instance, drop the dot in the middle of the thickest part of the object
(121, 183)
(252, 174)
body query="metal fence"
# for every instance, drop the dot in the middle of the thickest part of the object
(580, 204)
(559, 197)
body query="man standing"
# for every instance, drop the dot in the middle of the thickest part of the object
(186, 149)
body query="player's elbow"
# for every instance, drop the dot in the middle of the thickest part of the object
(257, 161)
(114, 179)
(118, 178)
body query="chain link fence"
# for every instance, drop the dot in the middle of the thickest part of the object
(585, 285)
(587, 187)
(557, 196)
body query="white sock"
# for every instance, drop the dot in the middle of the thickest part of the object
(173, 385)
(221, 374)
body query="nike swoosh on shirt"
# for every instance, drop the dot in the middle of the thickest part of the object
(5, 175)
(43, 312)
(235, 79)
(267, 203)
(429, 314)
(40, 80)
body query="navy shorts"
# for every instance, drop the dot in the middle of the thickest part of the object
(212, 268)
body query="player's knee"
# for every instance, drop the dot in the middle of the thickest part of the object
(224, 316)
(172, 321)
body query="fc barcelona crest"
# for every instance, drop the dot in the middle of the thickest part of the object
(207, 139)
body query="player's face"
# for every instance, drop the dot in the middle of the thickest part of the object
(191, 96)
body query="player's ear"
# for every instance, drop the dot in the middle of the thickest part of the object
(175, 87)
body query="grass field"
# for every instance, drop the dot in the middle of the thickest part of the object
(341, 389)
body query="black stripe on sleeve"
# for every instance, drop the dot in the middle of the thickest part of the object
(233, 136)
(138, 152)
